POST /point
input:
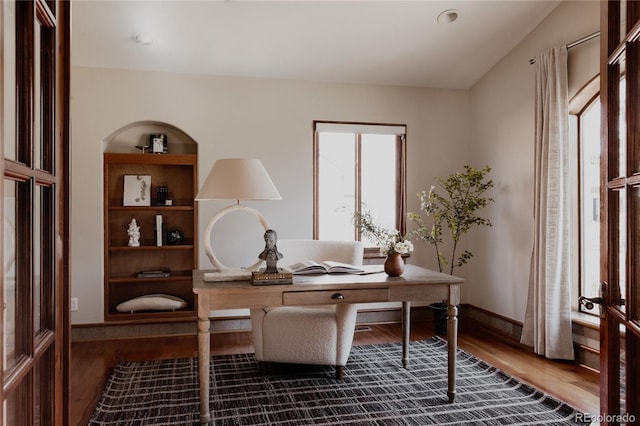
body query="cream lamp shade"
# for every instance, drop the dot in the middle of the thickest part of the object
(235, 179)
(238, 179)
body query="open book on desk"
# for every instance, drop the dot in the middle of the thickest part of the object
(308, 267)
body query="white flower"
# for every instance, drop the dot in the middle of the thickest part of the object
(388, 240)
(404, 247)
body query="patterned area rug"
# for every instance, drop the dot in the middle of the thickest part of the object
(376, 390)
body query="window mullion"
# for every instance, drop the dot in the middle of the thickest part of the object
(358, 181)
(401, 198)
(316, 184)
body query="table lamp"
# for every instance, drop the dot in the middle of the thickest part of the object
(235, 179)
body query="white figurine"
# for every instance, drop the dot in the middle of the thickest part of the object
(134, 234)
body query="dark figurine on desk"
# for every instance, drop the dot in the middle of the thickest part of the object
(270, 254)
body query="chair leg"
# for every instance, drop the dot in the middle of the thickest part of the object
(339, 372)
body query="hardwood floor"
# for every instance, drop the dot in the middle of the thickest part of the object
(91, 362)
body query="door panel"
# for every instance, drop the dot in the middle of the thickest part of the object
(10, 298)
(620, 180)
(34, 199)
(9, 78)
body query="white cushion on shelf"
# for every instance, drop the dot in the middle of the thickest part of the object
(152, 302)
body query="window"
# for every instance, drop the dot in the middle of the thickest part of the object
(589, 204)
(585, 130)
(357, 164)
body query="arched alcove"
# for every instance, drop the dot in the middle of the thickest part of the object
(150, 224)
(127, 138)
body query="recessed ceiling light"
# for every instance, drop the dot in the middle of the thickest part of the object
(448, 16)
(144, 39)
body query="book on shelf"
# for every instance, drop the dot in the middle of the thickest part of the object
(156, 273)
(159, 231)
(330, 267)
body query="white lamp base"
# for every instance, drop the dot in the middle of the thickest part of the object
(226, 273)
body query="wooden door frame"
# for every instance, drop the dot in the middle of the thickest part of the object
(614, 49)
(56, 14)
(63, 166)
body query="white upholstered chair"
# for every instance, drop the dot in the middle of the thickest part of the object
(319, 335)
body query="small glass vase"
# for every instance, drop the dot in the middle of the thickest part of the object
(394, 265)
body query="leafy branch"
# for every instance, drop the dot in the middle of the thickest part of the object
(457, 210)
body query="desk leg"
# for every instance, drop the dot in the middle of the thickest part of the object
(406, 329)
(452, 337)
(203, 368)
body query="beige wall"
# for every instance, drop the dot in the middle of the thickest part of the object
(267, 119)
(271, 119)
(502, 129)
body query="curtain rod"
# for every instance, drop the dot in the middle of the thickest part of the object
(574, 43)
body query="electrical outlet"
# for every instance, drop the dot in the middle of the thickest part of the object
(74, 304)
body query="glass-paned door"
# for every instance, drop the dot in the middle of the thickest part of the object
(620, 231)
(34, 67)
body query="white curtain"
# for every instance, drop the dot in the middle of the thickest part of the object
(547, 325)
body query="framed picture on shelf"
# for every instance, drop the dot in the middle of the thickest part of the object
(137, 190)
(158, 143)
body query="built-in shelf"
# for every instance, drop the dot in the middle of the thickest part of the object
(151, 208)
(177, 276)
(150, 247)
(122, 263)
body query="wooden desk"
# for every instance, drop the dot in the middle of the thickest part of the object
(416, 284)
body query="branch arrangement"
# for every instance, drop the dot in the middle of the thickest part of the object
(455, 207)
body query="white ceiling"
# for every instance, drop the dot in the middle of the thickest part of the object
(369, 42)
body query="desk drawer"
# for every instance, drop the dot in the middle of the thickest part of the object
(324, 297)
